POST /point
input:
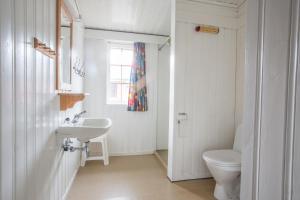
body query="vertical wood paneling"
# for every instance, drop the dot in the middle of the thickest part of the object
(163, 82)
(30, 96)
(296, 148)
(295, 136)
(240, 64)
(39, 84)
(272, 61)
(274, 80)
(7, 99)
(205, 66)
(20, 98)
(209, 65)
(33, 166)
(240, 75)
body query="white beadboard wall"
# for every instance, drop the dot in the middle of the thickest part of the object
(32, 165)
(240, 64)
(163, 82)
(210, 62)
(132, 132)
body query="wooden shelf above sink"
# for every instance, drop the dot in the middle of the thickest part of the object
(68, 99)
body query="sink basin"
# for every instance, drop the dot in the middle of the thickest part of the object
(85, 129)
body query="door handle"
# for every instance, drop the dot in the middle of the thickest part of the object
(181, 117)
(182, 113)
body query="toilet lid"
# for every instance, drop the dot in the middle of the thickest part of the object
(223, 157)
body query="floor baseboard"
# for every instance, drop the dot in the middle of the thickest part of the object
(132, 153)
(161, 160)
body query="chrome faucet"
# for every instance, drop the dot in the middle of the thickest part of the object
(67, 120)
(77, 117)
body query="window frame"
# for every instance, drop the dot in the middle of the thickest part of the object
(117, 45)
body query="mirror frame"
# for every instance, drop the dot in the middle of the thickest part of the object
(61, 6)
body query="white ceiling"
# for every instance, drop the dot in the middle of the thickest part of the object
(145, 16)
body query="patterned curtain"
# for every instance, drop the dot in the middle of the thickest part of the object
(137, 97)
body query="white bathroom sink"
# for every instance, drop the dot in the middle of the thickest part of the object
(85, 129)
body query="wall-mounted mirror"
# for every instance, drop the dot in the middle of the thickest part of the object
(64, 22)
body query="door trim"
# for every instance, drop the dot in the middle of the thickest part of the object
(258, 99)
(291, 102)
(287, 185)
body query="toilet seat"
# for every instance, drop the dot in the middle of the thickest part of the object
(224, 158)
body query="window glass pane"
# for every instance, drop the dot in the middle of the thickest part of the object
(113, 90)
(125, 90)
(115, 56)
(127, 57)
(126, 74)
(115, 93)
(121, 58)
(115, 74)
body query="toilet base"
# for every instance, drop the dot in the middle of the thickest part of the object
(221, 193)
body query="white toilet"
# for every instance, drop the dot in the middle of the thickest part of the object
(225, 167)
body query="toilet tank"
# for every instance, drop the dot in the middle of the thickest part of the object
(237, 145)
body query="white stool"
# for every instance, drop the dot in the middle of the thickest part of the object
(105, 157)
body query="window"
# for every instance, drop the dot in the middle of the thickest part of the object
(119, 69)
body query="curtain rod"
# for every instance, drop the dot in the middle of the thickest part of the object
(77, 9)
(167, 42)
(119, 31)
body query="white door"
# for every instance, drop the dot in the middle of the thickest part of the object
(204, 98)
(271, 154)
